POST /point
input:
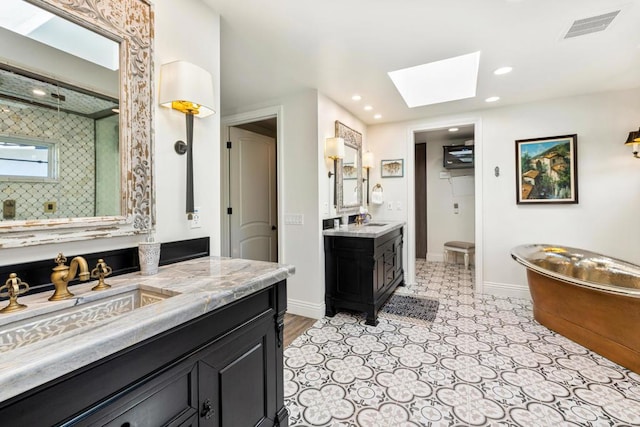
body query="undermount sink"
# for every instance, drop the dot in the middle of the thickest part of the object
(55, 318)
(375, 224)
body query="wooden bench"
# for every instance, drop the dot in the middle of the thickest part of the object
(456, 246)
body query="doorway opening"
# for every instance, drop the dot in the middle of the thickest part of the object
(250, 190)
(444, 203)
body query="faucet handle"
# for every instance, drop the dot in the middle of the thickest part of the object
(61, 259)
(101, 271)
(12, 286)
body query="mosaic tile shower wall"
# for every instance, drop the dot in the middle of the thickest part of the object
(107, 166)
(74, 191)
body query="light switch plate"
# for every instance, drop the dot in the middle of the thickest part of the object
(294, 219)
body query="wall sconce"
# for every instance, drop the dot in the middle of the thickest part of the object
(189, 89)
(367, 163)
(634, 140)
(334, 149)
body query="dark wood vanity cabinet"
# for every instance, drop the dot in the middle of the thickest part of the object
(361, 272)
(222, 369)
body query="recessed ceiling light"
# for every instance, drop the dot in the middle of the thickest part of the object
(453, 129)
(441, 81)
(377, 116)
(492, 99)
(368, 107)
(503, 70)
(356, 97)
(39, 92)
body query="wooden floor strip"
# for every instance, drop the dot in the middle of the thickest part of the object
(294, 326)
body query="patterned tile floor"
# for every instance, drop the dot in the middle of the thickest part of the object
(483, 361)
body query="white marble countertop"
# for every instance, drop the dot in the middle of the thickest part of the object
(195, 287)
(370, 230)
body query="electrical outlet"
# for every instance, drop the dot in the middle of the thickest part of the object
(195, 218)
(390, 206)
(398, 206)
(325, 207)
(455, 208)
(9, 209)
(49, 207)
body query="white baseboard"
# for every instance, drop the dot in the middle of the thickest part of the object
(303, 308)
(506, 290)
(435, 257)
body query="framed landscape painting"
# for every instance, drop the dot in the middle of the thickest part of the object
(547, 170)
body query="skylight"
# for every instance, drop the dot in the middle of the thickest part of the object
(441, 81)
(40, 25)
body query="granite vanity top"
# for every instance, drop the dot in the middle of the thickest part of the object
(193, 288)
(370, 230)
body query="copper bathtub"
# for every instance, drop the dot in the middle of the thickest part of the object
(591, 299)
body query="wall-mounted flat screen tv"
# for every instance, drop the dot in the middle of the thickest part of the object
(457, 156)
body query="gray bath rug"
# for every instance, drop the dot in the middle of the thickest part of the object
(409, 309)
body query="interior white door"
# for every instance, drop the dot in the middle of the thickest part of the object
(253, 196)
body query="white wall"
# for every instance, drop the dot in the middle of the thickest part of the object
(609, 191)
(443, 223)
(299, 194)
(307, 119)
(305, 290)
(171, 42)
(328, 113)
(387, 142)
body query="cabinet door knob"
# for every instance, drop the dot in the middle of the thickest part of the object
(207, 409)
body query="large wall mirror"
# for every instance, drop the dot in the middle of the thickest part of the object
(349, 170)
(75, 120)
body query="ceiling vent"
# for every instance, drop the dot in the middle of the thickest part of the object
(591, 25)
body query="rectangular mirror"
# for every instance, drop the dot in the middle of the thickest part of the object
(63, 93)
(349, 170)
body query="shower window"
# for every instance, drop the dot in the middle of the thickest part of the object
(22, 159)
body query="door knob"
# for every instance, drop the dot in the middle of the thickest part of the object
(273, 227)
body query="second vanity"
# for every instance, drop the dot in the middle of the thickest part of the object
(363, 266)
(198, 344)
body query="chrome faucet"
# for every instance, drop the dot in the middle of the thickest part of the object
(63, 274)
